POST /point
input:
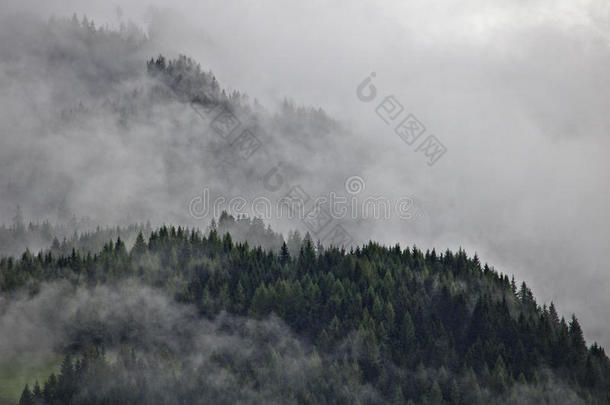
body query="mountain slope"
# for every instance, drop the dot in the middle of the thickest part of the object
(379, 324)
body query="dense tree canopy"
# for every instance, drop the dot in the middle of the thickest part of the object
(420, 325)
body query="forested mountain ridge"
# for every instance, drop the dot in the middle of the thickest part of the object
(376, 324)
(172, 315)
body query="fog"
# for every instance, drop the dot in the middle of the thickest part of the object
(516, 92)
(210, 356)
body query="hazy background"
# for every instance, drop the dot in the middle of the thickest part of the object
(517, 92)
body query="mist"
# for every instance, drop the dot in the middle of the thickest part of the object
(515, 94)
(172, 352)
(210, 356)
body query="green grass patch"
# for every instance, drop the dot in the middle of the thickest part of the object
(16, 370)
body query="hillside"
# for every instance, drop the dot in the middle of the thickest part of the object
(189, 318)
(154, 254)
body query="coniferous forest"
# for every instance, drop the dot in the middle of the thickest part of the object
(300, 323)
(118, 292)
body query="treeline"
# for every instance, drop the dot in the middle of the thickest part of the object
(61, 238)
(183, 79)
(429, 326)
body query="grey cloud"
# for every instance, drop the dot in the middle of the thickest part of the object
(515, 91)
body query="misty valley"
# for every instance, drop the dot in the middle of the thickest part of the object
(131, 273)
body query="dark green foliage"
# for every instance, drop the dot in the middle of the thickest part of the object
(26, 397)
(416, 326)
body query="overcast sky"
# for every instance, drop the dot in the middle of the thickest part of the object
(516, 91)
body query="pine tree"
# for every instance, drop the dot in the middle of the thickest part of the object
(553, 315)
(500, 375)
(227, 242)
(26, 397)
(139, 248)
(578, 348)
(66, 380)
(50, 389)
(407, 337)
(37, 392)
(240, 298)
(436, 395)
(260, 302)
(284, 254)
